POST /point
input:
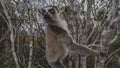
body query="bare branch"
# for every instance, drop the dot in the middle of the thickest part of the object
(30, 54)
(110, 57)
(12, 38)
(113, 40)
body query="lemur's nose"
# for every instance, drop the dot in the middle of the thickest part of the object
(47, 16)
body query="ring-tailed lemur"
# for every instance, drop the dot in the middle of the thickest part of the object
(58, 39)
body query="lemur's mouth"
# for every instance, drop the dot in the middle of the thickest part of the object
(47, 17)
(49, 20)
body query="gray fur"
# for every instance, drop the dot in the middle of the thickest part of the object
(59, 42)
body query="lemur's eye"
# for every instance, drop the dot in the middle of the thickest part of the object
(52, 11)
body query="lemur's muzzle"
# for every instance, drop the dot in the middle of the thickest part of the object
(47, 16)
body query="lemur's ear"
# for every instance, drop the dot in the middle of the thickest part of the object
(63, 10)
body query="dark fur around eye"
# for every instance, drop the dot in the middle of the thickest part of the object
(52, 11)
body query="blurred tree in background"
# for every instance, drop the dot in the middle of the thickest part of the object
(94, 23)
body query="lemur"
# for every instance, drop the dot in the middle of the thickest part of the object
(59, 42)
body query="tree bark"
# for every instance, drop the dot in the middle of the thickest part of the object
(83, 61)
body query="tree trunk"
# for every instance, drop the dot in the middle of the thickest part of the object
(83, 61)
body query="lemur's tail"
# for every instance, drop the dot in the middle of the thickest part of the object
(82, 50)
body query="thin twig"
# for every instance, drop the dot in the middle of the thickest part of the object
(12, 38)
(112, 55)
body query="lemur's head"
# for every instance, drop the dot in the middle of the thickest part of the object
(50, 13)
